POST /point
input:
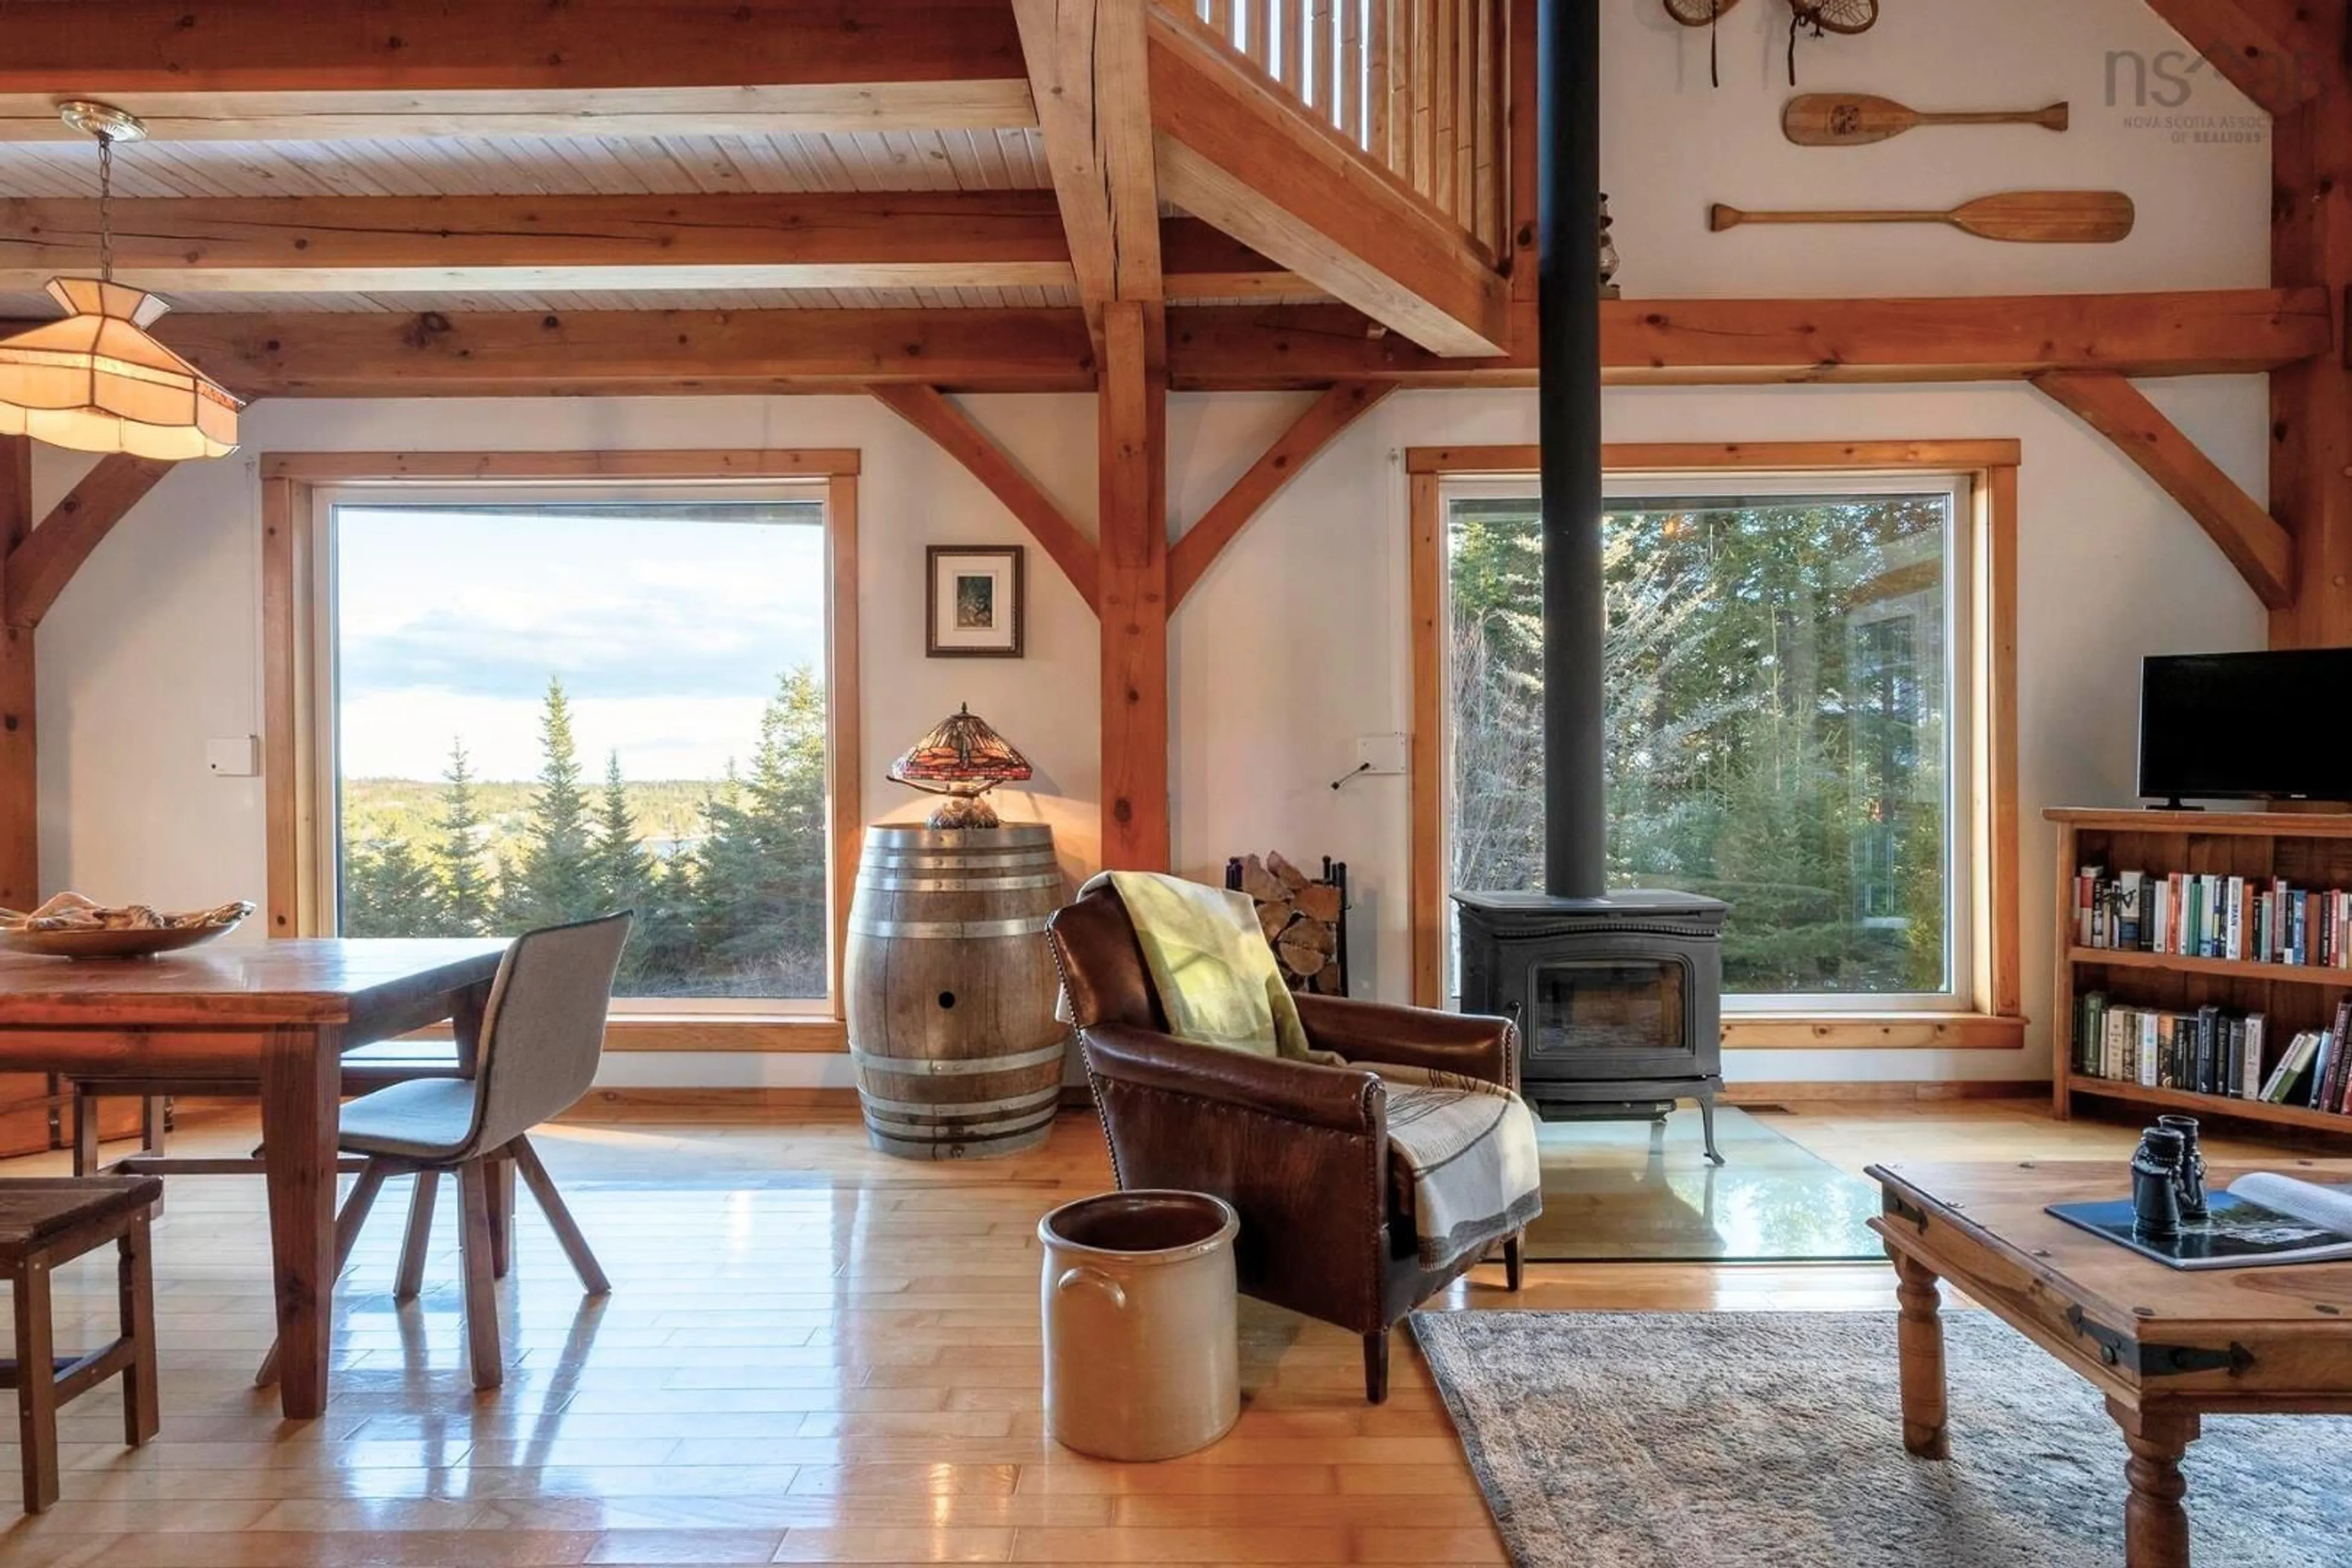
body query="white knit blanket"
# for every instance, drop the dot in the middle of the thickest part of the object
(1470, 1146)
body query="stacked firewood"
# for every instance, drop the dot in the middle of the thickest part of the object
(1300, 916)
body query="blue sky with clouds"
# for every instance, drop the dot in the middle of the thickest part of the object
(668, 634)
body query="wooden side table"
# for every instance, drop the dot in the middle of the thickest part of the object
(44, 1222)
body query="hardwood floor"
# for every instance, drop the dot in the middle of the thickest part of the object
(812, 1353)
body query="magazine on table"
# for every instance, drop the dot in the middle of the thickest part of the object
(2262, 1219)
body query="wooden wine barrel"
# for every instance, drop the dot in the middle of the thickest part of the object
(949, 988)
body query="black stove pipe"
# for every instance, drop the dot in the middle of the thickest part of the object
(1568, 228)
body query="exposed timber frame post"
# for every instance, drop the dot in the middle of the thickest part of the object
(1520, 60)
(1090, 76)
(1133, 416)
(2109, 403)
(2311, 403)
(1092, 87)
(20, 828)
(36, 564)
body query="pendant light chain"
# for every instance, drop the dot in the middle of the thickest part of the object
(105, 207)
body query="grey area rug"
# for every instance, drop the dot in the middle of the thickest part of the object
(1626, 1191)
(1775, 1440)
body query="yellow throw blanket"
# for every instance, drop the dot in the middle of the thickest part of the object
(1210, 964)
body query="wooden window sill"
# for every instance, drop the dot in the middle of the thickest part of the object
(724, 1032)
(1873, 1031)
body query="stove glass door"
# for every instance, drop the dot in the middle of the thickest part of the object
(1616, 1005)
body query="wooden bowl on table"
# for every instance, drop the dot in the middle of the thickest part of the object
(71, 927)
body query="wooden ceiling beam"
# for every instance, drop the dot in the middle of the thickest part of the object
(2255, 59)
(813, 109)
(1716, 342)
(1237, 154)
(1192, 555)
(254, 68)
(1198, 262)
(520, 354)
(2109, 403)
(1003, 239)
(390, 244)
(1088, 77)
(1686, 342)
(929, 410)
(41, 567)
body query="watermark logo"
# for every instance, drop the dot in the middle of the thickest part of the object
(2157, 93)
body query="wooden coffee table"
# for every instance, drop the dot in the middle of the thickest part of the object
(2166, 1346)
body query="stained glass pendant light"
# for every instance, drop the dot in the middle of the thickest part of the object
(963, 759)
(94, 380)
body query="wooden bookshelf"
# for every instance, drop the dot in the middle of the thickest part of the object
(2240, 968)
(2309, 849)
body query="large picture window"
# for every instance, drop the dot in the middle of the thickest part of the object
(1784, 657)
(1805, 689)
(525, 704)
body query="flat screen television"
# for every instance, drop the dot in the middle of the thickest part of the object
(2237, 726)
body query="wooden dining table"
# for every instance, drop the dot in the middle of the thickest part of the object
(277, 1015)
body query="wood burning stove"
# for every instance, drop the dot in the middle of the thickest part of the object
(1617, 998)
(1617, 994)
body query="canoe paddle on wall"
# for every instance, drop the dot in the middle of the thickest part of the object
(2023, 217)
(1858, 119)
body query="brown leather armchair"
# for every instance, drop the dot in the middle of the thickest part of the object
(1299, 1149)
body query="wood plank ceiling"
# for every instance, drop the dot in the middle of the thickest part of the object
(999, 159)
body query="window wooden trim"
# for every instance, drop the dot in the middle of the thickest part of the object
(1996, 1016)
(290, 805)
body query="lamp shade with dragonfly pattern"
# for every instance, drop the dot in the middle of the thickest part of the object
(963, 759)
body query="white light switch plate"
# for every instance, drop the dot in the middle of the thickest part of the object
(239, 756)
(1382, 753)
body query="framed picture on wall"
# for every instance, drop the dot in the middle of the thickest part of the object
(974, 601)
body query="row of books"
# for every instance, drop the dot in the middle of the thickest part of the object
(2215, 1051)
(2207, 914)
(2212, 1050)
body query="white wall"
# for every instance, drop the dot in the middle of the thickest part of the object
(2195, 157)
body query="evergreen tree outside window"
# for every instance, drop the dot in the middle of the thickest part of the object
(1786, 717)
(543, 710)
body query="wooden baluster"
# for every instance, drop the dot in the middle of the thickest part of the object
(1322, 89)
(1438, 181)
(1515, 128)
(1293, 46)
(1378, 36)
(1413, 104)
(1465, 112)
(1220, 19)
(1351, 72)
(1486, 220)
(1258, 30)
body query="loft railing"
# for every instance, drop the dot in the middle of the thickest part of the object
(1419, 85)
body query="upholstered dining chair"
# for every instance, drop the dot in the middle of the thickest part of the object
(542, 1035)
(1299, 1149)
